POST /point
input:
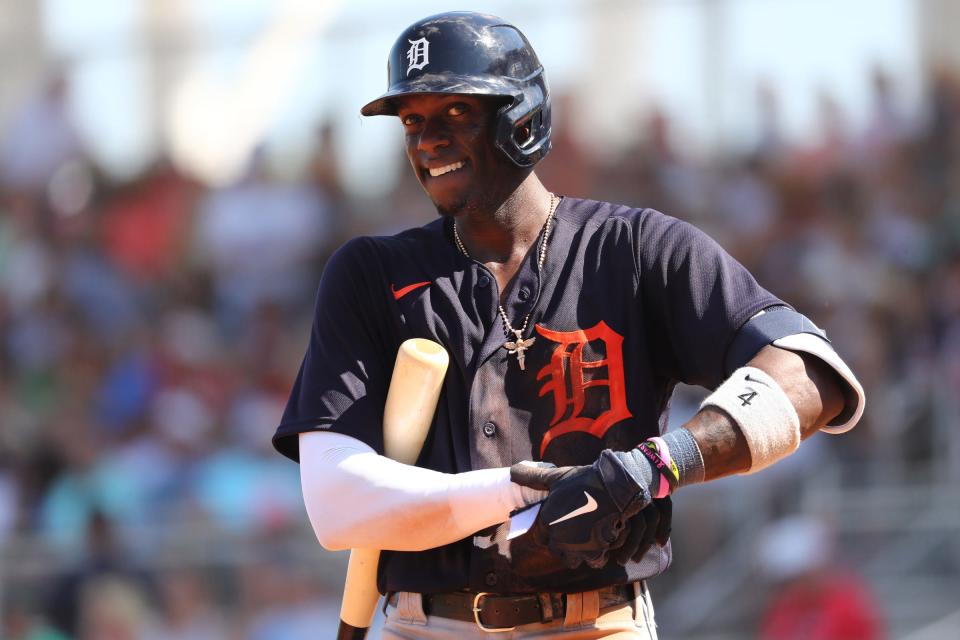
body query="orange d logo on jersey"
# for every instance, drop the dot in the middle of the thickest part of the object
(568, 376)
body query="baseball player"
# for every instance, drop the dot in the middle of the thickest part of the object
(568, 323)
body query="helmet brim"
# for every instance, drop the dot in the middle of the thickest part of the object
(440, 83)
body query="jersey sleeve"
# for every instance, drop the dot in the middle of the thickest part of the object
(344, 376)
(695, 298)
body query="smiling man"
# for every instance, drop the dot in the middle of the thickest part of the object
(568, 323)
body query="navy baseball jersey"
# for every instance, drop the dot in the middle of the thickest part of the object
(628, 303)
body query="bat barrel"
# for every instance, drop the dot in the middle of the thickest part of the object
(423, 348)
(412, 398)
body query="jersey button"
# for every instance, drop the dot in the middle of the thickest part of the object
(524, 294)
(484, 280)
(489, 429)
(490, 579)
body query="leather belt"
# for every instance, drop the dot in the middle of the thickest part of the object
(495, 612)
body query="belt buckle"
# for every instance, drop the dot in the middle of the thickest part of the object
(476, 616)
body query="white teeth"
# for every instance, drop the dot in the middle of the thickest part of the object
(445, 169)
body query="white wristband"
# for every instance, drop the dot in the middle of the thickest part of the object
(762, 411)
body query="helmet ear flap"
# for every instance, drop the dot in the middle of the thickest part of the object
(524, 129)
(523, 134)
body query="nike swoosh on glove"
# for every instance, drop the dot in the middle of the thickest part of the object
(586, 512)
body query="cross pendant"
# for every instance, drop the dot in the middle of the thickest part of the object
(519, 347)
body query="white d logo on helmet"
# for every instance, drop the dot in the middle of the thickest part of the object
(418, 55)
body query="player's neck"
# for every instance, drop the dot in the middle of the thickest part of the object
(505, 234)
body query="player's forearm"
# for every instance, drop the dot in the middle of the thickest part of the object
(812, 388)
(356, 498)
(722, 446)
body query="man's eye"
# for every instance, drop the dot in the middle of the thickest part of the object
(458, 109)
(411, 119)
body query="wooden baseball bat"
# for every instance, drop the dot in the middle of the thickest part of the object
(411, 402)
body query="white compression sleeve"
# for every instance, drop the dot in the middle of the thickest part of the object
(357, 498)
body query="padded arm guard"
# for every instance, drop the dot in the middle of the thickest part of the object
(787, 329)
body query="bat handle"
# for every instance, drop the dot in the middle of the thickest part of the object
(349, 632)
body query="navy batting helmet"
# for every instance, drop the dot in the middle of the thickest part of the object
(472, 53)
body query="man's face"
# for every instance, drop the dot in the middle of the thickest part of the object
(449, 141)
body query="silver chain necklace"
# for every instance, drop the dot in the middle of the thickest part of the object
(518, 345)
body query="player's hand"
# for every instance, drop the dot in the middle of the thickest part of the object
(651, 525)
(586, 513)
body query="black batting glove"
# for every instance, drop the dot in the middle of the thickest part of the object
(651, 526)
(653, 523)
(587, 510)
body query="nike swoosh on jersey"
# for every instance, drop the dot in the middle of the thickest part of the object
(587, 508)
(402, 291)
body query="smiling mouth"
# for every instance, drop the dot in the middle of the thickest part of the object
(439, 171)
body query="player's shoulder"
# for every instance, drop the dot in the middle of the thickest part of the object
(654, 235)
(586, 212)
(415, 241)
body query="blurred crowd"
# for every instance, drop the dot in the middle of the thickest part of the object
(150, 331)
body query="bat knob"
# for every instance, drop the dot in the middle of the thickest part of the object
(350, 632)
